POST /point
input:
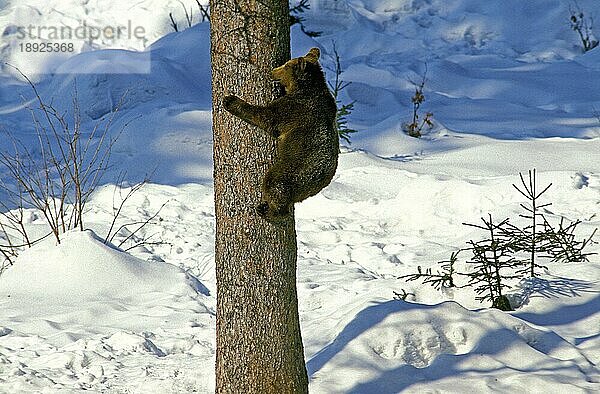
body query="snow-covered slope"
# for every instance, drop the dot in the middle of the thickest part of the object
(510, 89)
(419, 348)
(101, 23)
(73, 313)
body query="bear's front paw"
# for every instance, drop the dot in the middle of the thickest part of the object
(229, 102)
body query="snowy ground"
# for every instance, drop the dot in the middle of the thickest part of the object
(510, 90)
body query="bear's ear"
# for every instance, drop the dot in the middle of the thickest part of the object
(302, 63)
(313, 55)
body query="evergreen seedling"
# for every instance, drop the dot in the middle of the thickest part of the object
(529, 239)
(493, 262)
(561, 244)
(439, 279)
(343, 110)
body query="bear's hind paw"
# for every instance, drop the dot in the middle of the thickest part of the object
(262, 209)
(271, 215)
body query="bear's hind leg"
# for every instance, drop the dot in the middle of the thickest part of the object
(277, 193)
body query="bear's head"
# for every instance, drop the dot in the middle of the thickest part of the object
(300, 72)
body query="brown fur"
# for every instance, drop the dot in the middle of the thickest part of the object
(303, 121)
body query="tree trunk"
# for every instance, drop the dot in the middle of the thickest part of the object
(259, 347)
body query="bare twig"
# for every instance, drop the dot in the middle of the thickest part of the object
(58, 180)
(117, 210)
(415, 127)
(583, 27)
(142, 224)
(188, 15)
(204, 11)
(173, 23)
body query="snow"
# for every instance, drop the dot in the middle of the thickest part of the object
(54, 271)
(80, 311)
(435, 343)
(510, 89)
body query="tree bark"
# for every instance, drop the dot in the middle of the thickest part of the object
(259, 346)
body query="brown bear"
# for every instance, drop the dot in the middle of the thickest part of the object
(303, 122)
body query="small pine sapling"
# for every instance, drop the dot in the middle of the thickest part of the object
(343, 110)
(529, 239)
(341, 121)
(561, 244)
(415, 127)
(499, 257)
(402, 296)
(583, 26)
(540, 238)
(492, 258)
(439, 279)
